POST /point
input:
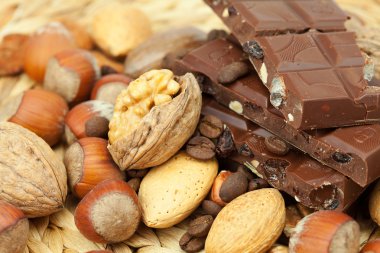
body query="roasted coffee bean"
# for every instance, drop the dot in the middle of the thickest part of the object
(245, 171)
(276, 145)
(200, 226)
(232, 72)
(225, 144)
(211, 208)
(107, 70)
(257, 183)
(97, 127)
(200, 148)
(134, 183)
(234, 186)
(253, 49)
(191, 244)
(137, 173)
(341, 157)
(211, 126)
(216, 34)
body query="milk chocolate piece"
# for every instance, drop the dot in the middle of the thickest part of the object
(316, 79)
(353, 151)
(302, 177)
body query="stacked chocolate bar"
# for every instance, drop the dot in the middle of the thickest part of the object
(290, 71)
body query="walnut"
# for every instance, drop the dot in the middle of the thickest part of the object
(153, 118)
(32, 177)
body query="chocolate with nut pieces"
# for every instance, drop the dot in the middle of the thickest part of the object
(308, 181)
(316, 74)
(353, 151)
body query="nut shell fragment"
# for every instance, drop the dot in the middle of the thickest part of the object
(32, 177)
(161, 132)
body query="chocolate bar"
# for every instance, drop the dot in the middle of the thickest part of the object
(353, 151)
(309, 182)
(316, 74)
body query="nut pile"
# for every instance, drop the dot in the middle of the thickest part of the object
(143, 168)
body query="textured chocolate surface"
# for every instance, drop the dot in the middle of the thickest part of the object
(302, 177)
(315, 72)
(353, 151)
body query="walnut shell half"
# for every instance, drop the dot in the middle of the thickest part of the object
(32, 177)
(162, 131)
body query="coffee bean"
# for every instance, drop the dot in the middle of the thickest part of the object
(257, 183)
(225, 144)
(232, 72)
(191, 244)
(200, 226)
(211, 126)
(137, 173)
(341, 157)
(235, 185)
(97, 127)
(276, 145)
(134, 183)
(211, 208)
(200, 148)
(245, 171)
(253, 49)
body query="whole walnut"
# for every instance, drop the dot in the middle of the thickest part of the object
(32, 177)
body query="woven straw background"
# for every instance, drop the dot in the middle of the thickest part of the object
(57, 233)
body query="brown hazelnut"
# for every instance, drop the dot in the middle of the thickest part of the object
(72, 73)
(215, 190)
(43, 44)
(89, 163)
(325, 231)
(371, 247)
(40, 111)
(109, 213)
(88, 119)
(14, 229)
(109, 87)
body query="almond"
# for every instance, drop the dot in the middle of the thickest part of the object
(250, 223)
(172, 191)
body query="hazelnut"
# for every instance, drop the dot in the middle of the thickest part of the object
(88, 119)
(72, 73)
(40, 111)
(109, 87)
(43, 44)
(89, 163)
(12, 54)
(374, 203)
(215, 190)
(109, 213)
(14, 229)
(371, 247)
(118, 28)
(325, 231)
